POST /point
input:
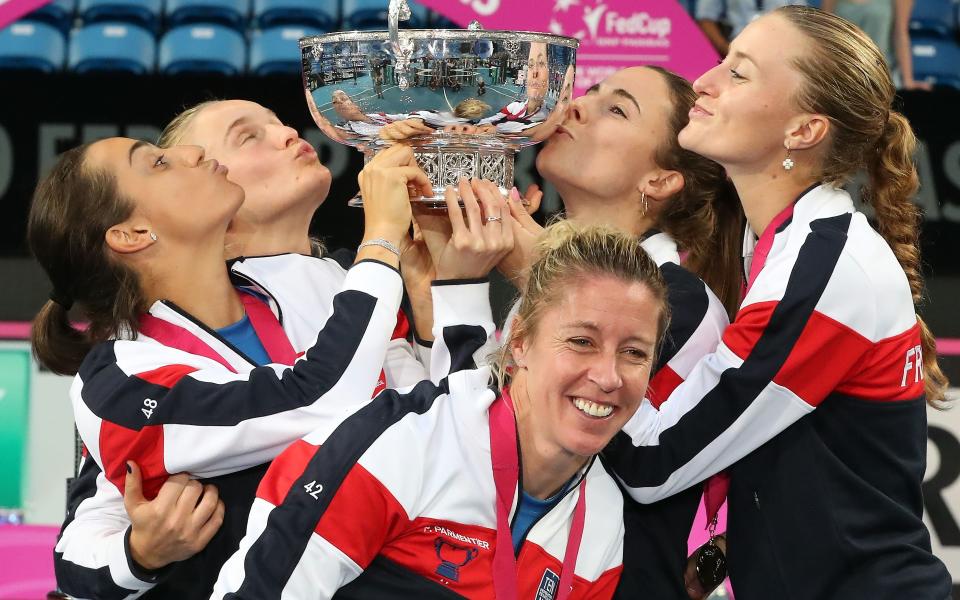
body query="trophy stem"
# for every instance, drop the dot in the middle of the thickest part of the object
(446, 165)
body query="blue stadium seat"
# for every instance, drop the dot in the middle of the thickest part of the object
(313, 13)
(58, 13)
(937, 61)
(202, 48)
(145, 13)
(372, 14)
(934, 17)
(112, 47)
(276, 51)
(233, 13)
(32, 46)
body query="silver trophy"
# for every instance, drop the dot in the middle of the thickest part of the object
(466, 100)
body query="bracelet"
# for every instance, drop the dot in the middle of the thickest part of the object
(382, 243)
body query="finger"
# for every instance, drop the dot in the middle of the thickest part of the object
(533, 196)
(211, 526)
(171, 490)
(492, 204)
(132, 487)
(520, 213)
(413, 177)
(453, 211)
(187, 501)
(206, 507)
(470, 206)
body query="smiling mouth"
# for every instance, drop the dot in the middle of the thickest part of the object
(592, 409)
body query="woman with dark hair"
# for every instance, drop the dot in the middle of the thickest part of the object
(817, 394)
(615, 160)
(179, 371)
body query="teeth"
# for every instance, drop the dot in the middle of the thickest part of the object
(592, 408)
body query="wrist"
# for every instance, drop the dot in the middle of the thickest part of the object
(389, 233)
(140, 559)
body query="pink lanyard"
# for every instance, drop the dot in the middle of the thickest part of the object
(506, 476)
(264, 322)
(716, 488)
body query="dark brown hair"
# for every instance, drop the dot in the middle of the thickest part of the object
(846, 79)
(72, 209)
(705, 217)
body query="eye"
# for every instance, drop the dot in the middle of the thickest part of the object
(635, 354)
(580, 342)
(617, 111)
(160, 162)
(735, 75)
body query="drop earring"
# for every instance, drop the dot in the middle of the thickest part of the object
(643, 204)
(788, 162)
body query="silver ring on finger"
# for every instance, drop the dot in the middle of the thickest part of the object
(492, 219)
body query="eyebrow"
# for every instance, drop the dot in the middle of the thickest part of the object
(594, 327)
(136, 146)
(617, 92)
(243, 120)
(745, 56)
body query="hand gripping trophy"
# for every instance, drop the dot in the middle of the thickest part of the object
(466, 100)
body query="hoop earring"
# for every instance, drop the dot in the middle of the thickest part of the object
(788, 162)
(643, 204)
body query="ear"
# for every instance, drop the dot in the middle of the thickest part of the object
(662, 184)
(129, 237)
(806, 131)
(518, 344)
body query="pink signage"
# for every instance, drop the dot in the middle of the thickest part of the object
(11, 10)
(613, 34)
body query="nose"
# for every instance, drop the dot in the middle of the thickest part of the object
(706, 84)
(190, 155)
(285, 136)
(578, 109)
(605, 373)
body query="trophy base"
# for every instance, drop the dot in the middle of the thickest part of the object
(446, 165)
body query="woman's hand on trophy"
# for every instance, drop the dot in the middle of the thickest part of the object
(515, 264)
(416, 266)
(387, 183)
(401, 130)
(479, 237)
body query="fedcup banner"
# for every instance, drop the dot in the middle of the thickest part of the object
(613, 34)
(11, 10)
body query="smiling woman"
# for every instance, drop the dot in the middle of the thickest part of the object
(414, 497)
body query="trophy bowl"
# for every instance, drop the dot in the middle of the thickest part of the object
(465, 99)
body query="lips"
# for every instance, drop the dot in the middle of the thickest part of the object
(563, 130)
(217, 168)
(699, 111)
(305, 149)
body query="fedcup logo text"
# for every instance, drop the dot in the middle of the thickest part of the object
(603, 21)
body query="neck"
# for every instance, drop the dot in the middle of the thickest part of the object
(766, 193)
(198, 282)
(623, 212)
(546, 467)
(284, 234)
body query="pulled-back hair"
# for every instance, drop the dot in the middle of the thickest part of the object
(173, 133)
(846, 79)
(565, 254)
(73, 208)
(704, 218)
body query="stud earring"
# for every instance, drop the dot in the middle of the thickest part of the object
(153, 236)
(788, 162)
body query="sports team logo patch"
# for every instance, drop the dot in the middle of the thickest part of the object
(547, 590)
